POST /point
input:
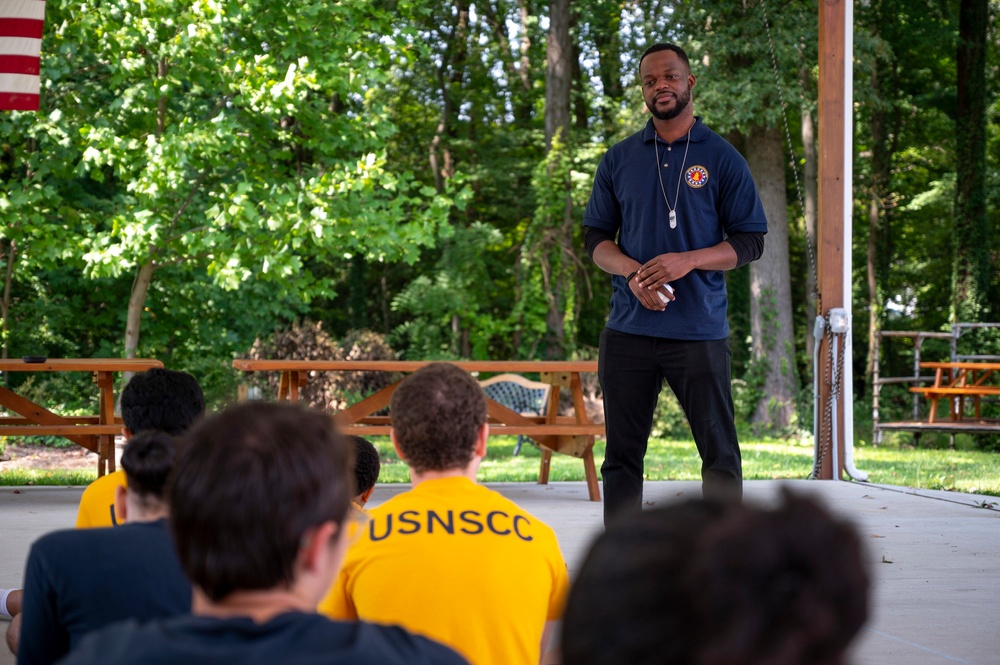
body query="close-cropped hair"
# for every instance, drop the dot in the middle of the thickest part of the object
(250, 482)
(666, 46)
(708, 582)
(366, 464)
(148, 459)
(162, 399)
(437, 413)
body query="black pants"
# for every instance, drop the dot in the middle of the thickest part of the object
(632, 369)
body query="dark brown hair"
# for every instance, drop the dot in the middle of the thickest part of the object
(665, 46)
(250, 482)
(147, 460)
(366, 464)
(437, 413)
(710, 582)
(162, 399)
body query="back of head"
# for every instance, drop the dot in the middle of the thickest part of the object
(251, 481)
(366, 464)
(708, 582)
(437, 413)
(162, 399)
(147, 460)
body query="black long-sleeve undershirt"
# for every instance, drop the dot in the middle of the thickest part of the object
(748, 246)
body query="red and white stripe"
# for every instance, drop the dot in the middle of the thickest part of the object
(21, 23)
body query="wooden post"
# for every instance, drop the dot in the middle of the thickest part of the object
(833, 115)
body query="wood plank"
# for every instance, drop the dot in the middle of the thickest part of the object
(61, 430)
(81, 365)
(971, 390)
(499, 366)
(593, 429)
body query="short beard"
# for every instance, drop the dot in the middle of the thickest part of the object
(682, 102)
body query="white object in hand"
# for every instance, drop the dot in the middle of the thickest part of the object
(669, 289)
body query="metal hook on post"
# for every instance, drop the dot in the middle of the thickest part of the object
(836, 327)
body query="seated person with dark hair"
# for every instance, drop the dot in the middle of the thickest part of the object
(451, 559)
(366, 469)
(259, 505)
(158, 399)
(77, 580)
(709, 582)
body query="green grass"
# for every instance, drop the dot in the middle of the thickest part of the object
(46, 477)
(959, 470)
(970, 471)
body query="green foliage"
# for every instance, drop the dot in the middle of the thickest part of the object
(383, 166)
(446, 313)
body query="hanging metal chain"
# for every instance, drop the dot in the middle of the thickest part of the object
(810, 245)
(834, 382)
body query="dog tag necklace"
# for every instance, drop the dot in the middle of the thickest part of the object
(672, 218)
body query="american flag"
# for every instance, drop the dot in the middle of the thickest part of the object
(21, 24)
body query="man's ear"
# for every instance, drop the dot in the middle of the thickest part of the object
(121, 504)
(126, 433)
(367, 495)
(395, 444)
(315, 543)
(481, 439)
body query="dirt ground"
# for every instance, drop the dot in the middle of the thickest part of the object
(44, 457)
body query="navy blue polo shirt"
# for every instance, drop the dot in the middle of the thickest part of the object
(717, 198)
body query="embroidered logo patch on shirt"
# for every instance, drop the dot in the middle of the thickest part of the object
(696, 176)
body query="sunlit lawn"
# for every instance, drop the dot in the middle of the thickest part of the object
(958, 470)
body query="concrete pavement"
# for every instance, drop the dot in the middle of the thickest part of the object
(934, 556)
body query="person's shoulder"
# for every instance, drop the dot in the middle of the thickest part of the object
(106, 483)
(393, 644)
(500, 502)
(67, 541)
(355, 642)
(121, 643)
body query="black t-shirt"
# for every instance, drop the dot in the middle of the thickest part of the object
(293, 638)
(79, 580)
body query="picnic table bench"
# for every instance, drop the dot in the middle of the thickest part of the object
(571, 435)
(96, 433)
(958, 381)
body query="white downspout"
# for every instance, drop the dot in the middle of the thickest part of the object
(848, 378)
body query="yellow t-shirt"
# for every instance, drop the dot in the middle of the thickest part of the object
(460, 564)
(97, 505)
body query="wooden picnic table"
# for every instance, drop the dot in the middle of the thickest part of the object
(95, 433)
(570, 435)
(958, 381)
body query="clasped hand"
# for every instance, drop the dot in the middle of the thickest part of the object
(650, 279)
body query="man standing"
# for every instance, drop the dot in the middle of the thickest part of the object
(451, 559)
(673, 207)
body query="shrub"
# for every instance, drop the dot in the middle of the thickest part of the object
(325, 390)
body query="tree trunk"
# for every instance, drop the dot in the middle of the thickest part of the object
(971, 267)
(136, 303)
(558, 82)
(810, 172)
(5, 303)
(607, 40)
(773, 344)
(878, 183)
(559, 72)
